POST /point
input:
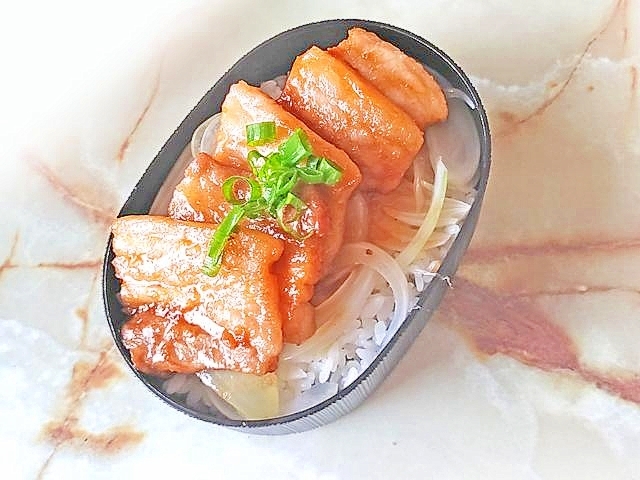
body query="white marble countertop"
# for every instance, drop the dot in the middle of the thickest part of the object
(531, 367)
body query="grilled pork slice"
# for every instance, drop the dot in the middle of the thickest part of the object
(303, 262)
(161, 343)
(246, 104)
(199, 197)
(401, 78)
(348, 111)
(159, 260)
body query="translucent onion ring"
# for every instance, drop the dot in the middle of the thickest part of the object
(341, 309)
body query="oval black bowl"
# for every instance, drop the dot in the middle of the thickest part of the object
(270, 59)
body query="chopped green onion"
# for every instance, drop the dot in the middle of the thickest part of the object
(255, 161)
(253, 193)
(271, 192)
(289, 211)
(255, 209)
(330, 173)
(285, 182)
(260, 133)
(295, 148)
(213, 261)
(310, 175)
(320, 170)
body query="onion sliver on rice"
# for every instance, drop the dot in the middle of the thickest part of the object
(382, 282)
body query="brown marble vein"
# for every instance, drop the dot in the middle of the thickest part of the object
(513, 122)
(625, 25)
(516, 327)
(8, 262)
(82, 312)
(66, 430)
(79, 265)
(74, 195)
(127, 141)
(491, 253)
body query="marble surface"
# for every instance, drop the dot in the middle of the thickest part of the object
(531, 367)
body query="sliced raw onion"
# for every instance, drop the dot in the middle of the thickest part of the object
(255, 397)
(437, 239)
(205, 140)
(452, 211)
(421, 170)
(336, 314)
(365, 253)
(196, 138)
(411, 251)
(455, 141)
(451, 93)
(356, 218)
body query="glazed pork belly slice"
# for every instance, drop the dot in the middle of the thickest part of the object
(348, 111)
(166, 343)
(245, 104)
(158, 261)
(401, 78)
(198, 197)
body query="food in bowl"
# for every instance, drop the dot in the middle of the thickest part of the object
(310, 217)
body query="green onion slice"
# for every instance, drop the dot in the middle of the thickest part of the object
(309, 174)
(260, 133)
(256, 161)
(285, 182)
(288, 212)
(295, 148)
(232, 187)
(320, 170)
(330, 173)
(213, 261)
